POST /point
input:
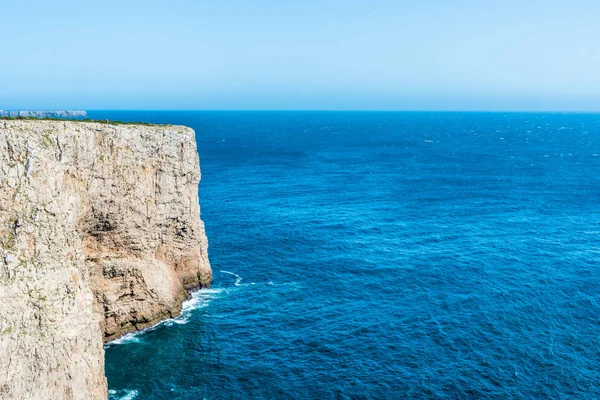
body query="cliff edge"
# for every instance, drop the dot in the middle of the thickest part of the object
(100, 235)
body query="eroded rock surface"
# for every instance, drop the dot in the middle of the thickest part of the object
(100, 235)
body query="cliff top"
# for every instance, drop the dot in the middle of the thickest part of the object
(89, 120)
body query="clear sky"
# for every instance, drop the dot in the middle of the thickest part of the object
(303, 54)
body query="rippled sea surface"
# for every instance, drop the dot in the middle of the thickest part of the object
(385, 255)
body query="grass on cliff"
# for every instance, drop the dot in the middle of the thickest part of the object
(98, 121)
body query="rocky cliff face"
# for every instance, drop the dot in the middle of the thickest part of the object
(100, 235)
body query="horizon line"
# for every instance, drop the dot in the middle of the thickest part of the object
(337, 110)
(549, 111)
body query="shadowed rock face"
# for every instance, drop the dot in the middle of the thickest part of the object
(100, 235)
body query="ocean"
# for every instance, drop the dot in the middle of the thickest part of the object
(375, 255)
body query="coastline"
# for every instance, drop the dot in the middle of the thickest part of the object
(197, 299)
(185, 296)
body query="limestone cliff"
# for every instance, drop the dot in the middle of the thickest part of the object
(75, 114)
(100, 235)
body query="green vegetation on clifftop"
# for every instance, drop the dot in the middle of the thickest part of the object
(104, 121)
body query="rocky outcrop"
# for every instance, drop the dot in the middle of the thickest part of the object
(44, 114)
(100, 235)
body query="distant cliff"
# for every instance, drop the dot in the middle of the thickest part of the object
(100, 235)
(44, 114)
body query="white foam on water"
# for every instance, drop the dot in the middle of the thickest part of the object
(199, 299)
(294, 285)
(132, 337)
(124, 394)
(238, 279)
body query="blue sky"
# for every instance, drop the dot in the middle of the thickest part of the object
(327, 54)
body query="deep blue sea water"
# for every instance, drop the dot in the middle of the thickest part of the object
(385, 256)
